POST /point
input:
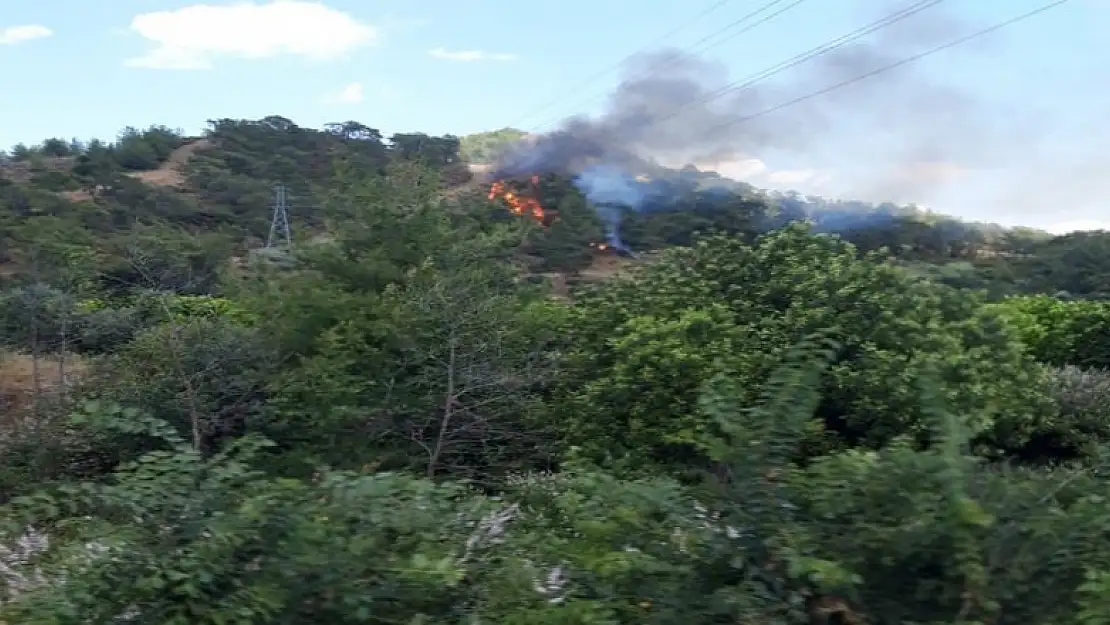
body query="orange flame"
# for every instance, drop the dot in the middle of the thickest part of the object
(518, 204)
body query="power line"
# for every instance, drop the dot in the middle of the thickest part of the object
(741, 20)
(824, 48)
(694, 46)
(896, 64)
(840, 41)
(711, 8)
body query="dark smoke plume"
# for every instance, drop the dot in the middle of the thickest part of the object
(663, 112)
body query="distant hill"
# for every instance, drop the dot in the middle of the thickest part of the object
(482, 147)
(833, 214)
(188, 201)
(191, 203)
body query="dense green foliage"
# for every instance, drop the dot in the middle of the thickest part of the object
(646, 346)
(1061, 332)
(483, 147)
(394, 421)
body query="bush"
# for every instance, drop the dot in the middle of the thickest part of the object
(1059, 332)
(1082, 422)
(227, 387)
(642, 348)
(55, 181)
(107, 329)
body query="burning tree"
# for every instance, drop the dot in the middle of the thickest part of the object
(525, 199)
(522, 199)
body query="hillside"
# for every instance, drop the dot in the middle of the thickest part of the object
(964, 254)
(483, 147)
(203, 199)
(172, 171)
(725, 415)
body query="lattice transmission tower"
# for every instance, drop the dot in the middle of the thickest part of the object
(280, 234)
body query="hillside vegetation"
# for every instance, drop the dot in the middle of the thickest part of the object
(483, 147)
(775, 409)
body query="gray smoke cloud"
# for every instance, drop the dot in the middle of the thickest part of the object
(668, 108)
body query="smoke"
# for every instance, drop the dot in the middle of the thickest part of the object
(672, 108)
(654, 116)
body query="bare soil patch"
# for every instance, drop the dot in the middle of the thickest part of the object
(172, 172)
(21, 378)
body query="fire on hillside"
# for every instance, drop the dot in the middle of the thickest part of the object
(608, 249)
(522, 199)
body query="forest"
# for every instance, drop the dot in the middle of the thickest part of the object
(442, 403)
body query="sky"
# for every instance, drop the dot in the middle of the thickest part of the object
(73, 68)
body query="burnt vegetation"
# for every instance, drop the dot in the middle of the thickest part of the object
(743, 406)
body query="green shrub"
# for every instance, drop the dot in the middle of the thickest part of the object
(1082, 419)
(1058, 332)
(642, 348)
(54, 180)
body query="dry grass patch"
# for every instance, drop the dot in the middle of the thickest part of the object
(172, 172)
(21, 378)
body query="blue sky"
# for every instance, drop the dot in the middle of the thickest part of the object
(471, 65)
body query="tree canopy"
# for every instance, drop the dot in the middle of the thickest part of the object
(436, 406)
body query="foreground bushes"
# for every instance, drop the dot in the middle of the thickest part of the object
(44, 318)
(891, 536)
(641, 348)
(1080, 427)
(1059, 332)
(402, 432)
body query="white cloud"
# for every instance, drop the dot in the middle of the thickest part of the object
(13, 35)
(351, 94)
(192, 37)
(469, 56)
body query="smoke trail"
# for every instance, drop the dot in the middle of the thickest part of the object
(663, 112)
